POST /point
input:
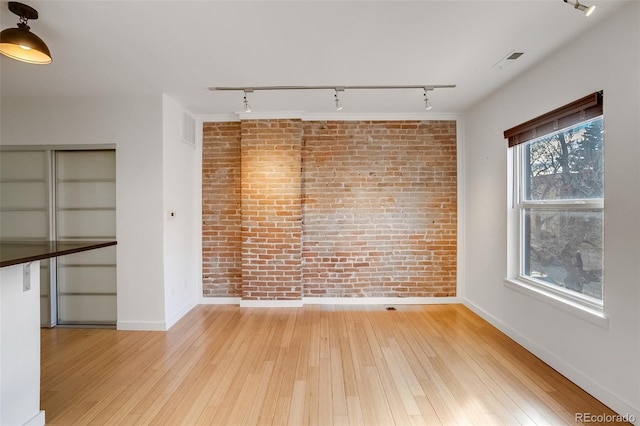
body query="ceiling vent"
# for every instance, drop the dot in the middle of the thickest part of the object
(189, 130)
(510, 58)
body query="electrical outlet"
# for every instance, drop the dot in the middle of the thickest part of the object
(26, 277)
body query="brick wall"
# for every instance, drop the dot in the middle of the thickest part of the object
(380, 209)
(355, 209)
(221, 214)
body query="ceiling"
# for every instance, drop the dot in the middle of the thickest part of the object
(183, 47)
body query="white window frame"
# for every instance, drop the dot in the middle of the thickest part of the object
(589, 308)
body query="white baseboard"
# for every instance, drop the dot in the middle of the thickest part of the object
(157, 325)
(181, 312)
(567, 370)
(141, 325)
(329, 301)
(379, 300)
(219, 300)
(271, 303)
(37, 420)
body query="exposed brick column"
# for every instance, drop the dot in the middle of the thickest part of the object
(271, 209)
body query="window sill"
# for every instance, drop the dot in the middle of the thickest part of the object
(583, 312)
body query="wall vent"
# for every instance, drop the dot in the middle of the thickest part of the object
(189, 130)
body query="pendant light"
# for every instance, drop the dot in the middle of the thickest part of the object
(20, 43)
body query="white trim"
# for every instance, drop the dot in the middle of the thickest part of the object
(574, 204)
(330, 301)
(37, 420)
(271, 115)
(460, 213)
(271, 303)
(217, 118)
(141, 325)
(563, 303)
(564, 368)
(181, 312)
(380, 300)
(219, 300)
(420, 116)
(197, 213)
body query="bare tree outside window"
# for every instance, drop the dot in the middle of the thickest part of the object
(562, 209)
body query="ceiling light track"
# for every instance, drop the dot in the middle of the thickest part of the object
(336, 89)
(339, 88)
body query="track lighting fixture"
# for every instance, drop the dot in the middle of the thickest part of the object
(427, 102)
(337, 100)
(588, 10)
(336, 90)
(247, 107)
(20, 43)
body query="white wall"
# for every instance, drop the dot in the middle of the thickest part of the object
(134, 125)
(605, 361)
(179, 188)
(20, 347)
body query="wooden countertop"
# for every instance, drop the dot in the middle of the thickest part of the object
(16, 252)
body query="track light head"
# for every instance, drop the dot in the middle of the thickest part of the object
(245, 102)
(587, 10)
(427, 102)
(337, 100)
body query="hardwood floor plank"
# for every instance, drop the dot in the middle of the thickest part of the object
(296, 408)
(338, 394)
(316, 365)
(325, 388)
(400, 383)
(354, 409)
(311, 407)
(427, 412)
(279, 392)
(378, 398)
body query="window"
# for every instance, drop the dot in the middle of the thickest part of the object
(558, 203)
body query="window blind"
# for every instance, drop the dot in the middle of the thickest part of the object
(573, 113)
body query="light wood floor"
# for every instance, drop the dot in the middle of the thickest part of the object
(225, 365)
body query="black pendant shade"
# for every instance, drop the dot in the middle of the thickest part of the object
(20, 43)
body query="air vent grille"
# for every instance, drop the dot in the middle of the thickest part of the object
(189, 130)
(508, 59)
